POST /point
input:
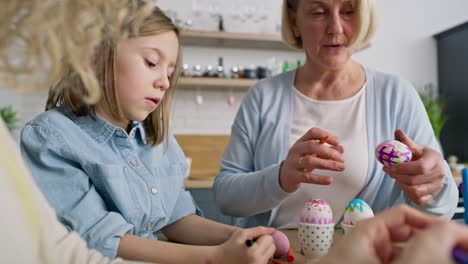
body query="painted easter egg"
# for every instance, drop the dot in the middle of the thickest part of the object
(392, 151)
(357, 210)
(316, 211)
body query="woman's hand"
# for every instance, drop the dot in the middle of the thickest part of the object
(308, 154)
(236, 251)
(421, 179)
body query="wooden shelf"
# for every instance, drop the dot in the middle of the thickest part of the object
(213, 83)
(232, 40)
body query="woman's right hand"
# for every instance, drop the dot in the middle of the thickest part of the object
(236, 251)
(308, 154)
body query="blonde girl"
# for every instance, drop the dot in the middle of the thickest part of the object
(112, 170)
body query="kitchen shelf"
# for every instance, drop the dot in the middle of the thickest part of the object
(214, 83)
(232, 40)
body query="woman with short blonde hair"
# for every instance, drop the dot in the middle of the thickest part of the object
(312, 132)
(366, 11)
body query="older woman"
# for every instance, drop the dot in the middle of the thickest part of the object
(276, 158)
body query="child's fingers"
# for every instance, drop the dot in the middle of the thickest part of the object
(264, 243)
(252, 233)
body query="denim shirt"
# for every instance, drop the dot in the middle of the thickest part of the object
(103, 182)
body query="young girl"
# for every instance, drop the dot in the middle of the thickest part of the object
(112, 170)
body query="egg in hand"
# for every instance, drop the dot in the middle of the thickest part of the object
(393, 151)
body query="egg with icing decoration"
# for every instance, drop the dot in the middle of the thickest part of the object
(316, 211)
(393, 151)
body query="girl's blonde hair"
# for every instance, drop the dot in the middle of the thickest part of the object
(366, 10)
(70, 90)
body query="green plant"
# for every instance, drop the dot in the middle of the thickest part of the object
(435, 110)
(9, 116)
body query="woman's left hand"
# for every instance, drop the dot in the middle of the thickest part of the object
(421, 179)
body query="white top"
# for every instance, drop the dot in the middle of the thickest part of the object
(347, 120)
(31, 232)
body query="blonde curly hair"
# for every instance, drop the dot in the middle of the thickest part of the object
(39, 38)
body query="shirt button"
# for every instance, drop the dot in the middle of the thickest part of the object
(135, 163)
(154, 190)
(149, 227)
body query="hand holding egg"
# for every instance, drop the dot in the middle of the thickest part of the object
(421, 177)
(390, 152)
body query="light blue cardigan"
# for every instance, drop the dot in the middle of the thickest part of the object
(248, 182)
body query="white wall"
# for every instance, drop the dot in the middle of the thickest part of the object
(403, 44)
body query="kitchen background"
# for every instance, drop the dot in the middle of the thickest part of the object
(423, 41)
(404, 44)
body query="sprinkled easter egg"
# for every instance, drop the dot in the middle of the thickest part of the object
(316, 211)
(392, 151)
(357, 210)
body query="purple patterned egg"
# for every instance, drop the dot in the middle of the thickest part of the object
(392, 151)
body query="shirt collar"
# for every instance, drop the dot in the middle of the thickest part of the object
(101, 130)
(139, 130)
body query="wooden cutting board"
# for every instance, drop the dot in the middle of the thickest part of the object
(205, 151)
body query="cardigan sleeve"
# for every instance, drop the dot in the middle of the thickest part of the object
(240, 189)
(414, 121)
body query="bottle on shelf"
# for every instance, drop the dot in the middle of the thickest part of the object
(220, 68)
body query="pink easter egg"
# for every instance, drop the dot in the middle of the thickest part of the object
(281, 243)
(392, 151)
(316, 211)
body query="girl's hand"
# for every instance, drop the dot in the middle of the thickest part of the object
(236, 251)
(308, 154)
(421, 179)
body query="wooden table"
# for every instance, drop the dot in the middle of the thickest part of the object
(296, 247)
